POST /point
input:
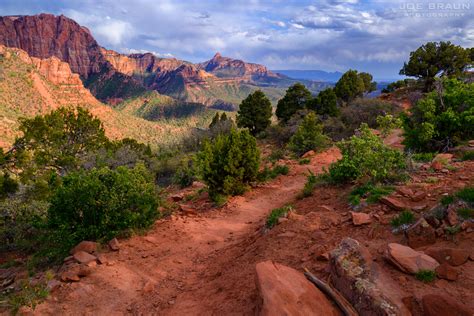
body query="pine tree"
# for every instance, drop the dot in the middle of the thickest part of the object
(255, 112)
(229, 163)
(325, 103)
(309, 136)
(296, 98)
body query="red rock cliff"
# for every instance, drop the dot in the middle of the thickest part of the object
(46, 35)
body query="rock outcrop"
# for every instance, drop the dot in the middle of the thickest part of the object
(225, 67)
(285, 291)
(352, 273)
(46, 35)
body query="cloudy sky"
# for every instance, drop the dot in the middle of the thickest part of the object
(331, 35)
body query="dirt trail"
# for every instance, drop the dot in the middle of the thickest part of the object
(170, 271)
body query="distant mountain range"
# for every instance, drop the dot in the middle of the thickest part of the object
(112, 77)
(315, 75)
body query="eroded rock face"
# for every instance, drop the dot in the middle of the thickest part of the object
(285, 291)
(352, 274)
(46, 35)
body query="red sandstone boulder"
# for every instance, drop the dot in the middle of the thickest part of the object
(285, 291)
(409, 260)
(447, 272)
(454, 257)
(443, 305)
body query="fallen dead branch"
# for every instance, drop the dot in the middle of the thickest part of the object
(340, 301)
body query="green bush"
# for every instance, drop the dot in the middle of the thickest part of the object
(101, 204)
(185, 175)
(372, 193)
(229, 163)
(425, 275)
(468, 155)
(309, 136)
(20, 223)
(442, 119)
(267, 173)
(423, 157)
(304, 161)
(276, 155)
(366, 157)
(466, 194)
(466, 213)
(404, 218)
(358, 111)
(272, 219)
(311, 181)
(387, 123)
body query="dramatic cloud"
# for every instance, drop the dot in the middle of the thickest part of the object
(374, 36)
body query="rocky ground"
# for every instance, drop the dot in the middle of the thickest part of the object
(203, 260)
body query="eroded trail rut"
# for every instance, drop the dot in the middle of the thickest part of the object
(175, 268)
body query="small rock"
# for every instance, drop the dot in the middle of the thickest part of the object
(86, 246)
(419, 208)
(177, 197)
(114, 244)
(360, 218)
(466, 225)
(452, 256)
(148, 287)
(409, 260)
(471, 143)
(187, 210)
(420, 234)
(308, 154)
(70, 276)
(282, 220)
(102, 258)
(53, 285)
(393, 203)
(436, 165)
(452, 217)
(418, 196)
(447, 272)
(287, 235)
(294, 216)
(407, 192)
(443, 305)
(84, 257)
